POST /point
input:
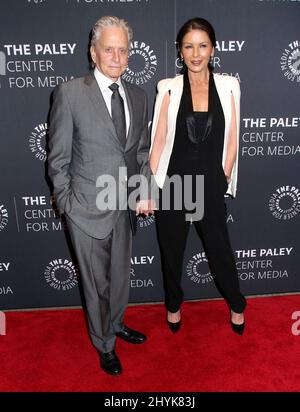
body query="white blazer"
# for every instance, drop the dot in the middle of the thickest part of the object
(226, 86)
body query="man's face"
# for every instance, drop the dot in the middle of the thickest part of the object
(110, 54)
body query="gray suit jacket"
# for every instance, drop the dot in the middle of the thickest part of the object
(83, 145)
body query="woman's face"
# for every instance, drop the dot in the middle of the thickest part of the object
(196, 50)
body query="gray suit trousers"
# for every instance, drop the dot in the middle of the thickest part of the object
(105, 275)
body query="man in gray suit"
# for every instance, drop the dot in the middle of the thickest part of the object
(99, 126)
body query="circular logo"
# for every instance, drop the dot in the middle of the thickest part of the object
(37, 141)
(3, 217)
(142, 64)
(284, 204)
(61, 274)
(290, 61)
(145, 221)
(195, 268)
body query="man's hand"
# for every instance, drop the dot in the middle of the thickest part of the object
(145, 207)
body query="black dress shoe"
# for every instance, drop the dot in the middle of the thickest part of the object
(174, 326)
(239, 329)
(130, 335)
(110, 363)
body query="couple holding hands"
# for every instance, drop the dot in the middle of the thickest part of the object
(99, 124)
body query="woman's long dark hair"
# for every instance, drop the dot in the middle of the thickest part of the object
(196, 23)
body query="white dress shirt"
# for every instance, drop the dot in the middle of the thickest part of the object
(104, 83)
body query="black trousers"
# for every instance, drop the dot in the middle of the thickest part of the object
(172, 230)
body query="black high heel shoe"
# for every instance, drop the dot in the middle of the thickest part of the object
(239, 329)
(174, 326)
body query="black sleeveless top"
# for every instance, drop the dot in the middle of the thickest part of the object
(199, 141)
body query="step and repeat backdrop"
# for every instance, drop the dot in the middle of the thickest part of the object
(45, 42)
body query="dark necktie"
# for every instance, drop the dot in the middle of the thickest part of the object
(118, 113)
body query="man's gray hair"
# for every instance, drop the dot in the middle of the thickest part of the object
(110, 21)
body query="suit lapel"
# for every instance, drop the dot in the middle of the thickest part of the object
(99, 104)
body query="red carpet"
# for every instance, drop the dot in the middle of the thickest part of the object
(50, 351)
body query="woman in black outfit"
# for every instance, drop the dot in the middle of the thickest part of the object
(195, 132)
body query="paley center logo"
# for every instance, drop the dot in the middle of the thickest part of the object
(37, 141)
(145, 221)
(284, 203)
(4, 289)
(142, 64)
(3, 217)
(290, 61)
(143, 281)
(61, 274)
(33, 65)
(269, 136)
(197, 269)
